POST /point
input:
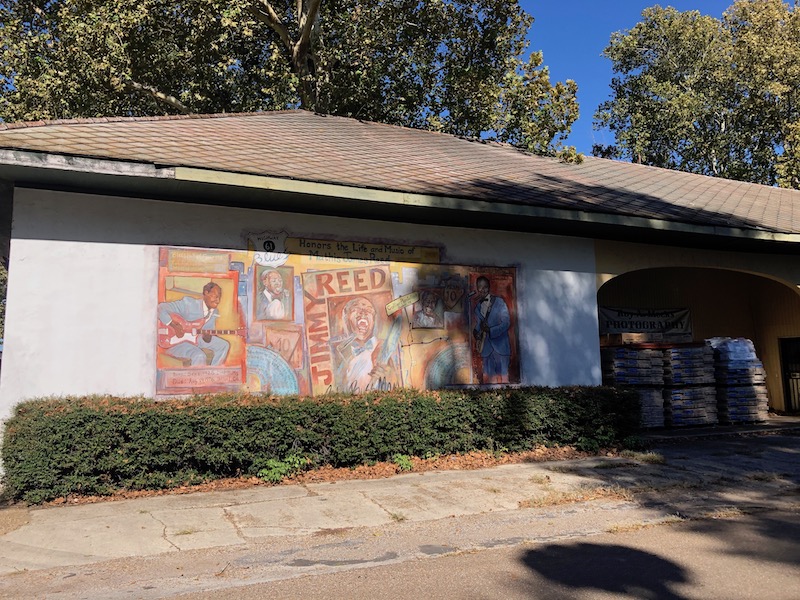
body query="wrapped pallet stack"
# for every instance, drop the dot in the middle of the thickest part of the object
(652, 403)
(642, 369)
(741, 381)
(689, 392)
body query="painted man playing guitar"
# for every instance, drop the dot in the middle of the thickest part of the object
(186, 328)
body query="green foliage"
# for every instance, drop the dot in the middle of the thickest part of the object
(88, 58)
(275, 471)
(710, 96)
(403, 462)
(456, 66)
(98, 445)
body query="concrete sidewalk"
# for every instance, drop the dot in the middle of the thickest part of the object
(73, 535)
(759, 471)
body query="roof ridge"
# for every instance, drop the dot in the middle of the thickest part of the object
(117, 119)
(153, 118)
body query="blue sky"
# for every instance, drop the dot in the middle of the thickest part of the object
(572, 35)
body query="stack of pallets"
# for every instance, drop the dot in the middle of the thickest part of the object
(689, 392)
(741, 381)
(690, 406)
(642, 369)
(651, 400)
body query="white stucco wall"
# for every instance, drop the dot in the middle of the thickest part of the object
(83, 287)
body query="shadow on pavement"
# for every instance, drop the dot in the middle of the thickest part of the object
(745, 538)
(604, 567)
(711, 485)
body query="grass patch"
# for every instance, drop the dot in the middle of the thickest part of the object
(651, 458)
(398, 517)
(561, 469)
(725, 512)
(540, 479)
(614, 464)
(557, 498)
(631, 527)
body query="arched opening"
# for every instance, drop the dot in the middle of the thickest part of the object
(725, 303)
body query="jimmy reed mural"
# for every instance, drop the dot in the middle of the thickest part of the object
(309, 317)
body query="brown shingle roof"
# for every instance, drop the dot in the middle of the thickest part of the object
(311, 147)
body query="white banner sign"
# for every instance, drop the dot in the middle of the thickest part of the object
(645, 320)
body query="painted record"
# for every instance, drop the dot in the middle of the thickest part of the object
(268, 372)
(450, 366)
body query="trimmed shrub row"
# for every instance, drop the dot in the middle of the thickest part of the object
(98, 445)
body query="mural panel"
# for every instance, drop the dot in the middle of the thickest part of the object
(201, 336)
(316, 320)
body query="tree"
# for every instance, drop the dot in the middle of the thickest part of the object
(719, 97)
(455, 66)
(87, 58)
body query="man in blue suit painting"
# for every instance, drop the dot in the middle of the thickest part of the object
(492, 322)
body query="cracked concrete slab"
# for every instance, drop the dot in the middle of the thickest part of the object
(344, 508)
(18, 557)
(77, 541)
(198, 528)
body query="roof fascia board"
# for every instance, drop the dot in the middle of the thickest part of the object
(461, 204)
(65, 162)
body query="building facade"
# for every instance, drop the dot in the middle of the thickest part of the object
(363, 257)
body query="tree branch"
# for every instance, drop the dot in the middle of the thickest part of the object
(271, 18)
(306, 23)
(158, 95)
(300, 49)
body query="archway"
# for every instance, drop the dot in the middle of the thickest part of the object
(723, 303)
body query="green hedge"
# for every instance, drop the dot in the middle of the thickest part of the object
(96, 445)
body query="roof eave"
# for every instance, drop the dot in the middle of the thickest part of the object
(190, 184)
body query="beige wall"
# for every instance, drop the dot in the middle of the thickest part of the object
(729, 294)
(615, 258)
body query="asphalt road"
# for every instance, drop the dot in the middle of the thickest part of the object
(733, 557)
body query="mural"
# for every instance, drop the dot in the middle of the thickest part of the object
(310, 317)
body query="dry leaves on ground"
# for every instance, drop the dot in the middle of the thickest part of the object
(380, 470)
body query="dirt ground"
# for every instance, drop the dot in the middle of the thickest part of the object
(450, 462)
(12, 517)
